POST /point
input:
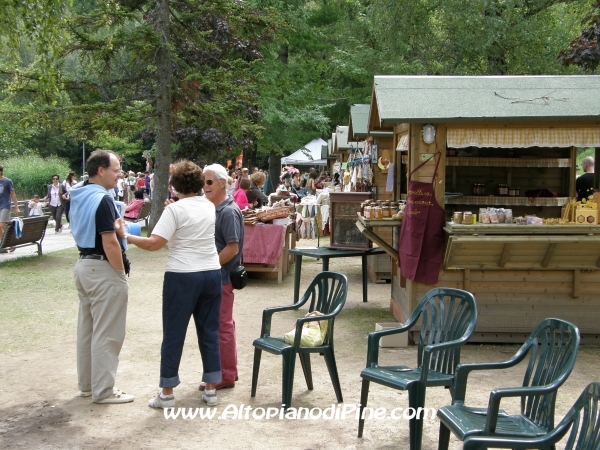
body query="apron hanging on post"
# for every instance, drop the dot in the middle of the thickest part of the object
(422, 231)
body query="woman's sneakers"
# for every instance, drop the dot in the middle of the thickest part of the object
(160, 401)
(210, 397)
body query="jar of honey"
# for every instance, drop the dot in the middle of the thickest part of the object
(386, 212)
(367, 214)
(457, 217)
(378, 213)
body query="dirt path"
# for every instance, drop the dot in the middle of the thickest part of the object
(37, 366)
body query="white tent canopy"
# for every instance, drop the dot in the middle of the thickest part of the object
(309, 155)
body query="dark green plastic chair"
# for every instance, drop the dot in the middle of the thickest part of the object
(327, 294)
(552, 349)
(448, 317)
(583, 419)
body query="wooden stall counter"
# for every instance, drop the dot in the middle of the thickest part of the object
(266, 248)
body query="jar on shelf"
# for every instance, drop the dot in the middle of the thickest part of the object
(478, 189)
(367, 214)
(377, 213)
(502, 190)
(513, 192)
(457, 217)
(467, 217)
(386, 212)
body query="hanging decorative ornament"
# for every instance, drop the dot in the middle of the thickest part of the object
(383, 163)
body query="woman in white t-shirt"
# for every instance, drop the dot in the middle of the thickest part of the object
(192, 282)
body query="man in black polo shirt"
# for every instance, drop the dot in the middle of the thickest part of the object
(229, 239)
(100, 280)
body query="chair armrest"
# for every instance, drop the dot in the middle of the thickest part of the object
(463, 370)
(430, 349)
(548, 440)
(268, 314)
(373, 341)
(498, 394)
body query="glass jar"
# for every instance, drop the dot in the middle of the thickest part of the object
(457, 217)
(467, 217)
(377, 213)
(386, 212)
(502, 190)
(513, 192)
(367, 214)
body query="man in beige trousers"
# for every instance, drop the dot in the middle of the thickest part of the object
(100, 279)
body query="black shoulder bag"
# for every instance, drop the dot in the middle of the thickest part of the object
(239, 277)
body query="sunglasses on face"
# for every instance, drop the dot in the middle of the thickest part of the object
(209, 182)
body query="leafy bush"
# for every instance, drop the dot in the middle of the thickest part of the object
(31, 174)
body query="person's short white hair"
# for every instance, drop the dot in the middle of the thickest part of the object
(219, 171)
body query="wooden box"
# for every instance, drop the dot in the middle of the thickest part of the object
(343, 217)
(586, 216)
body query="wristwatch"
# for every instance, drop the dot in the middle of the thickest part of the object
(125, 236)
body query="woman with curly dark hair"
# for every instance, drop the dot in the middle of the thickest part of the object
(192, 282)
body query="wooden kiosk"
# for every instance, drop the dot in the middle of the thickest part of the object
(513, 131)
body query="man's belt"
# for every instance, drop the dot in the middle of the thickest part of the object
(97, 257)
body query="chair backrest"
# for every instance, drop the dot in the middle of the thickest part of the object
(553, 347)
(584, 416)
(327, 294)
(145, 211)
(447, 314)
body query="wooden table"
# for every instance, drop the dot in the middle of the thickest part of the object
(326, 254)
(259, 262)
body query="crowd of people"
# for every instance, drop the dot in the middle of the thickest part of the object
(202, 225)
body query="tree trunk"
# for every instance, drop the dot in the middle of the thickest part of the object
(274, 172)
(163, 113)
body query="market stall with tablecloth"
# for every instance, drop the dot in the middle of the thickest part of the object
(266, 248)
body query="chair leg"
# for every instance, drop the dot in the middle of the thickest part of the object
(333, 373)
(255, 369)
(305, 361)
(416, 400)
(287, 384)
(364, 395)
(444, 437)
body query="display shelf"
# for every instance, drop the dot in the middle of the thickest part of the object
(369, 223)
(491, 200)
(514, 229)
(477, 161)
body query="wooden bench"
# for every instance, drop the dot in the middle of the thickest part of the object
(34, 230)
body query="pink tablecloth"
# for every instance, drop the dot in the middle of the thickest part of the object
(263, 243)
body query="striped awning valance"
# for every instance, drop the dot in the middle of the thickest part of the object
(522, 137)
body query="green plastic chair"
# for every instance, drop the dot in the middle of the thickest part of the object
(552, 349)
(448, 317)
(583, 419)
(327, 294)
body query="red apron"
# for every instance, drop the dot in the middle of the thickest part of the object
(422, 231)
